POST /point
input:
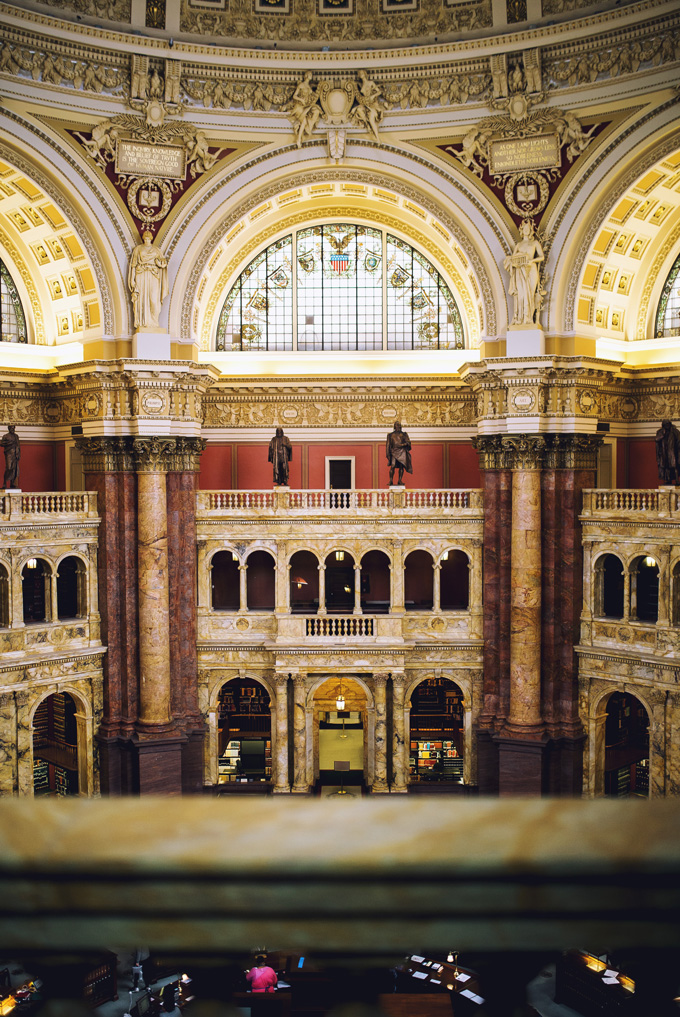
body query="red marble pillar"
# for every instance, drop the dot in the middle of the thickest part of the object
(109, 472)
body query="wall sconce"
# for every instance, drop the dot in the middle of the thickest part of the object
(649, 562)
(340, 702)
(348, 589)
(32, 563)
(234, 555)
(339, 555)
(300, 582)
(445, 556)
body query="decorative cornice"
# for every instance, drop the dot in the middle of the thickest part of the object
(538, 451)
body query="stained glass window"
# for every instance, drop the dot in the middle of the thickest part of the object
(340, 286)
(668, 311)
(12, 319)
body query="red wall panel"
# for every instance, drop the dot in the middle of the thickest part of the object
(36, 467)
(427, 460)
(363, 463)
(464, 466)
(642, 471)
(254, 472)
(215, 472)
(60, 466)
(621, 462)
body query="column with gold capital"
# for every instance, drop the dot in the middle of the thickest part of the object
(300, 785)
(151, 457)
(281, 780)
(379, 692)
(399, 744)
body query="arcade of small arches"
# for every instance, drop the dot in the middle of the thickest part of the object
(41, 590)
(340, 581)
(636, 588)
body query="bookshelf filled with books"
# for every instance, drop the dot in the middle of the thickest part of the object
(436, 723)
(245, 748)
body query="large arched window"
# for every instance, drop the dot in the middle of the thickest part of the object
(668, 311)
(340, 286)
(12, 318)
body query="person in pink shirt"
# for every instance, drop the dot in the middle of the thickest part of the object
(262, 978)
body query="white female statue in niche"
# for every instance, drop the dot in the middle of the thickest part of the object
(148, 282)
(524, 266)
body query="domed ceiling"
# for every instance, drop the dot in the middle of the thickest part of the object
(325, 24)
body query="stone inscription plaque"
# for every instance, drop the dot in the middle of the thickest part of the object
(142, 160)
(514, 154)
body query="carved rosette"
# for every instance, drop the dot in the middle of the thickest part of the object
(538, 451)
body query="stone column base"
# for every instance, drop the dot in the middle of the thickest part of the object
(192, 763)
(521, 764)
(283, 790)
(117, 767)
(159, 765)
(565, 766)
(487, 763)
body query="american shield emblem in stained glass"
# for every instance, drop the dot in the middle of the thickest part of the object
(306, 261)
(399, 277)
(372, 261)
(340, 263)
(279, 277)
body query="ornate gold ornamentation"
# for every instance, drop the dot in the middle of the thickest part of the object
(537, 451)
(106, 455)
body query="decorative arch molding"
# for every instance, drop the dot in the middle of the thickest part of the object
(81, 700)
(63, 202)
(322, 679)
(607, 194)
(492, 293)
(463, 679)
(27, 279)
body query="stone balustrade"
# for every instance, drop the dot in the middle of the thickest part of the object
(22, 507)
(393, 501)
(661, 502)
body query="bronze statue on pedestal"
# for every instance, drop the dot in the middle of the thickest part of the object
(280, 455)
(11, 446)
(398, 453)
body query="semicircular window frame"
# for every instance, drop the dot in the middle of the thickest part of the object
(12, 316)
(668, 309)
(339, 287)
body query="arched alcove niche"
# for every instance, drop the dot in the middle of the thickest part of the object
(239, 217)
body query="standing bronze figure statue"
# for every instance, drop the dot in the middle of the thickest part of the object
(280, 454)
(668, 452)
(398, 452)
(11, 446)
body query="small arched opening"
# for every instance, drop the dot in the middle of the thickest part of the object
(71, 588)
(644, 589)
(437, 733)
(4, 597)
(226, 587)
(626, 762)
(261, 581)
(55, 746)
(244, 734)
(304, 583)
(609, 587)
(339, 582)
(35, 582)
(375, 583)
(340, 736)
(454, 581)
(419, 581)
(675, 594)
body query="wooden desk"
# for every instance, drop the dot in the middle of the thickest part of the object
(407, 1004)
(439, 976)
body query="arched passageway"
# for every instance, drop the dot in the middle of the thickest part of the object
(261, 581)
(340, 582)
(437, 745)
(244, 733)
(419, 581)
(225, 582)
(55, 747)
(626, 756)
(304, 583)
(35, 581)
(454, 581)
(375, 583)
(71, 588)
(340, 736)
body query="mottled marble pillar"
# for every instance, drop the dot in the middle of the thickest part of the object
(300, 785)
(322, 589)
(243, 588)
(280, 775)
(436, 588)
(379, 693)
(397, 580)
(51, 603)
(24, 744)
(8, 760)
(16, 607)
(84, 754)
(399, 744)
(357, 589)
(628, 613)
(282, 585)
(154, 614)
(525, 594)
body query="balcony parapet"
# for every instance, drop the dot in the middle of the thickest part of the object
(385, 503)
(339, 628)
(636, 504)
(48, 506)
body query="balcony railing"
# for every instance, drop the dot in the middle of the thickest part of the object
(340, 625)
(60, 505)
(659, 501)
(390, 501)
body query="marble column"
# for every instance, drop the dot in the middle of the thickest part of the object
(300, 785)
(16, 606)
(628, 612)
(51, 602)
(24, 744)
(397, 580)
(399, 745)
(380, 785)
(525, 598)
(154, 612)
(243, 588)
(357, 589)
(282, 584)
(322, 589)
(280, 774)
(437, 588)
